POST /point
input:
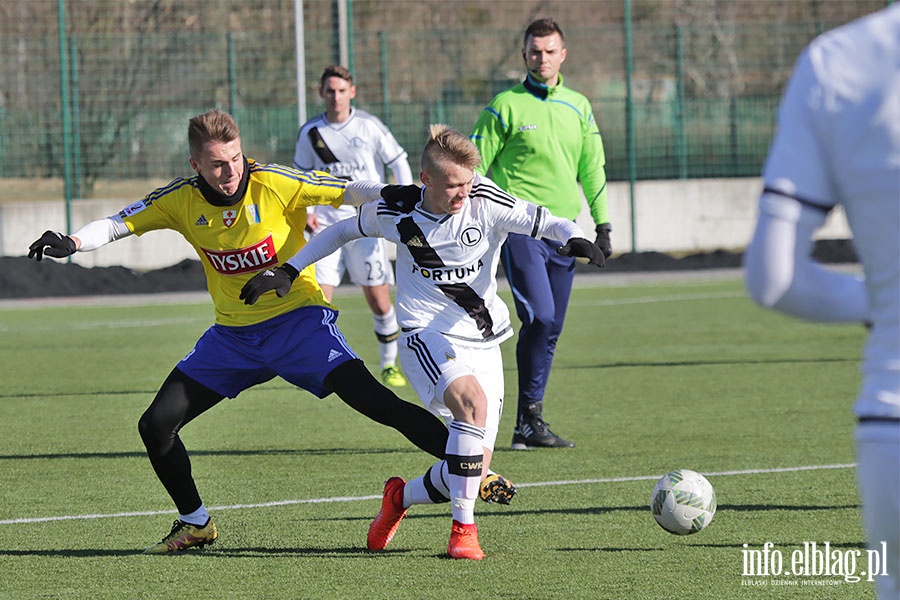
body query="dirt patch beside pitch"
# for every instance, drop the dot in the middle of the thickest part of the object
(23, 278)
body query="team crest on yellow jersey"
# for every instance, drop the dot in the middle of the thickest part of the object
(229, 217)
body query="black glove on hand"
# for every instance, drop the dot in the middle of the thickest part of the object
(278, 279)
(402, 198)
(52, 243)
(603, 230)
(582, 248)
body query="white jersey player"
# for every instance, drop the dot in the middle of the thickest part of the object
(838, 142)
(352, 144)
(448, 244)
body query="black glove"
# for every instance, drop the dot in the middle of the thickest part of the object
(52, 243)
(402, 198)
(603, 230)
(278, 279)
(582, 248)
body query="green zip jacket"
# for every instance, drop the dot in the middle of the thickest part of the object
(539, 143)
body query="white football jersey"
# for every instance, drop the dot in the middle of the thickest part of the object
(446, 264)
(838, 142)
(362, 146)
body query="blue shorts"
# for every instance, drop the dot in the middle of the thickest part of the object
(302, 347)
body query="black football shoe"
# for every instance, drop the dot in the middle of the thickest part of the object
(534, 432)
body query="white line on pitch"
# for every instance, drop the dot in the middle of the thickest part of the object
(707, 474)
(377, 497)
(654, 299)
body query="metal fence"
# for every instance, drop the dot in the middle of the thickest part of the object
(93, 90)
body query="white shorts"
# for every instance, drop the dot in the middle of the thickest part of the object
(432, 361)
(878, 465)
(364, 259)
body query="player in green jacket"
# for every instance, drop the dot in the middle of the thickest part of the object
(539, 141)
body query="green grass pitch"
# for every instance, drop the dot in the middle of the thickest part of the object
(649, 376)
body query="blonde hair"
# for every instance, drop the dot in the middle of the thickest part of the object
(212, 126)
(445, 144)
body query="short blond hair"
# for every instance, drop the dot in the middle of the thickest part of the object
(212, 126)
(445, 144)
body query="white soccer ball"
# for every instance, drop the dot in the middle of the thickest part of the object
(683, 502)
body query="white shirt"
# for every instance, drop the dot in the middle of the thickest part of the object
(363, 146)
(838, 142)
(447, 264)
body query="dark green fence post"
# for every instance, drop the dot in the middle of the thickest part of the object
(629, 122)
(232, 73)
(680, 132)
(77, 191)
(385, 92)
(64, 110)
(350, 35)
(733, 134)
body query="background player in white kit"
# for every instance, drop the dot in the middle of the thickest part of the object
(352, 144)
(838, 142)
(448, 240)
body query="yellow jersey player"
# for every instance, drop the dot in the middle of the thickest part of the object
(243, 217)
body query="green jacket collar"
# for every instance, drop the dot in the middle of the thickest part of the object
(541, 90)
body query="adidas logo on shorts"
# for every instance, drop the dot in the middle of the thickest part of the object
(334, 354)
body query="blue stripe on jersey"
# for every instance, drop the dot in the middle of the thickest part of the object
(496, 114)
(311, 177)
(603, 189)
(175, 184)
(572, 106)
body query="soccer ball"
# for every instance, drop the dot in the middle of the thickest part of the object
(683, 502)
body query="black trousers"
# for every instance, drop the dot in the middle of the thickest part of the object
(181, 399)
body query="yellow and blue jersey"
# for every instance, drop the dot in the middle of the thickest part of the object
(262, 230)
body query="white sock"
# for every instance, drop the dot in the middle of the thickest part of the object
(387, 331)
(465, 458)
(199, 517)
(430, 488)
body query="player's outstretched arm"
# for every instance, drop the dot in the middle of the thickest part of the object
(402, 198)
(90, 237)
(52, 243)
(582, 248)
(281, 278)
(360, 192)
(578, 246)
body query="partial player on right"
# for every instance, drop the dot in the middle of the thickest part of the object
(448, 238)
(838, 143)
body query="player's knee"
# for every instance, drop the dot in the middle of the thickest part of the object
(151, 428)
(540, 321)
